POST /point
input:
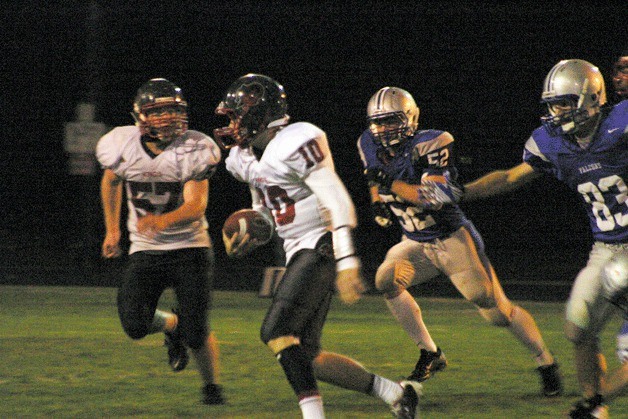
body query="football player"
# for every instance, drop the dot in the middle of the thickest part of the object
(412, 179)
(165, 169)
(616, 271)
(291, 174)
(620, 77)
(583, 143)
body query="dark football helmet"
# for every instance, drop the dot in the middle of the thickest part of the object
(253, 103)
(573, 91)
(160, 110)
(392, 116)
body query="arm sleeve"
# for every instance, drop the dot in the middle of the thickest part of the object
(331, 192)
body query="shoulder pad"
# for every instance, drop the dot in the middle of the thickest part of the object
(292, 137)
(110, 146)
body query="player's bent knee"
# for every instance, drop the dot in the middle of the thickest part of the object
(394, 276)
(483, 298)
(576, 334)
(498, 317)
(279, 344)
(135, 332)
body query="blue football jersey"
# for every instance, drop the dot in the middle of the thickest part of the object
(427, 152)
(598, 173)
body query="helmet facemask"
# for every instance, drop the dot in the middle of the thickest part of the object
(565, 116)
(389, 129)
(165, 122)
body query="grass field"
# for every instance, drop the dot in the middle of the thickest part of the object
(64, 355)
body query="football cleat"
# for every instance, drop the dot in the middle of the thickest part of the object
(551, 380)
(177, 353)
(589, 408)
(428, 364)
(212, 394)
(407, 407)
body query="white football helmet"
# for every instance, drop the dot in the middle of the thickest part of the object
(392, 115)
(574, 91)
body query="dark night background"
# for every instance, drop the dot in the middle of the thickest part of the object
(474, 68)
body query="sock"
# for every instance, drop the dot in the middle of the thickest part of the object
(408, 313)
(163, 321)
(312, 407)
(385, 389)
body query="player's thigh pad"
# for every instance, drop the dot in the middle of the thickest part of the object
(302, 300)
(406, 264)
(139, 293)
(461, 257)
(587, 309)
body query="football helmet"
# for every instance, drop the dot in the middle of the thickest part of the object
(573, 91)
(392, 116)
(160, 110)
(253, 103)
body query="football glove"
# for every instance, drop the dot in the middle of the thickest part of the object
(433, 195)
(382, 214)
(378, 177)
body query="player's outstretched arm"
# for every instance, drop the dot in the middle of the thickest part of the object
(499, 182)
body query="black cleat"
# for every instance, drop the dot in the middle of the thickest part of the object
(212, 394)
(407, 407)
(551, 380)
(589, 408)
(428, 364)
(177, 353)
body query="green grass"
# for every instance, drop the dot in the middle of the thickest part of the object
(64, 355)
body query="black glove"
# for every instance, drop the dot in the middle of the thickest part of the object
(378, 177)
(382, 214)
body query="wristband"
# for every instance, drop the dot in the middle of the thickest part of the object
(349, 262)
(343, 243)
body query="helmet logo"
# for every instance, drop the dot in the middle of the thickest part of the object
(249, 95)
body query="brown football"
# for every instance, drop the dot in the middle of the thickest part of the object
(248, 221)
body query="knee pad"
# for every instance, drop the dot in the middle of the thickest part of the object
(394, 276)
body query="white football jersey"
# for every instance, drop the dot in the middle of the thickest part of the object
(154, 184)
(295, 152)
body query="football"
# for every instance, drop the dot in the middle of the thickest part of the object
(248, 221)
